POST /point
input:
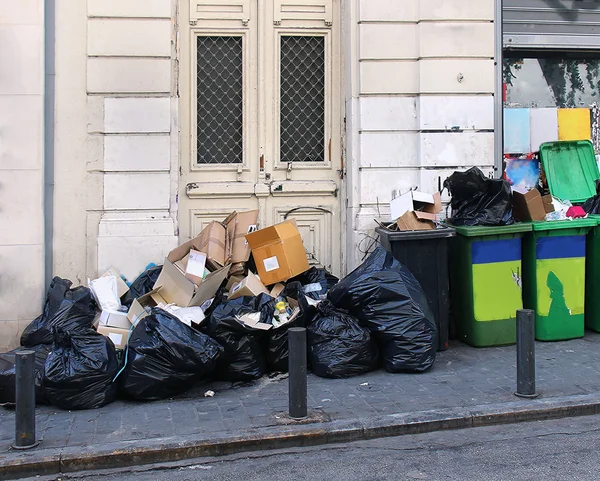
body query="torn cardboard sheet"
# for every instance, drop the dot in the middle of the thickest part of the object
(238, 224)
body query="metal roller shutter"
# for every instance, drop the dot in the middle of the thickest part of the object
(551, 24)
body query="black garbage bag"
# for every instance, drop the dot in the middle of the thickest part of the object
(316, 282)
(386, 298)
(592, 205)
(338, 346)
(477, 200)
(143, 284)
(277, 351)
(165, 357)
(80, 370)
(68, 309)
(7, 374)
(244, 358)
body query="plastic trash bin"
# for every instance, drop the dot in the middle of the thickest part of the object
(485, 283)
(425, 253)
(592, 277)
(571, 169)
(554, 277)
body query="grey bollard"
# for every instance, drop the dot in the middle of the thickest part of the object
(25, 400)
(526, 354)
(297, 372)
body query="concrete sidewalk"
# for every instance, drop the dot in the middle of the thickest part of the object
(466, 387)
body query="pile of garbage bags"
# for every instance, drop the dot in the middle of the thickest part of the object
(377, 316)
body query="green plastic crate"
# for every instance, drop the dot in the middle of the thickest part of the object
(592, 278)
(571, 169)
(554, 257)
(485, 276)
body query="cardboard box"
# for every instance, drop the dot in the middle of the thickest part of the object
(277, 289)
(211, 241)
(232, 282)
(179, 290)
(238, 224)
(114, 319)
(414, 220)
(249, 286)
(117, 335)
(138, 307)
(278, 252)
(528, 206)
(548, 205)
(416, 201)
(122, 287)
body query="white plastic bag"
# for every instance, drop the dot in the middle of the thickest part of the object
(105, 292)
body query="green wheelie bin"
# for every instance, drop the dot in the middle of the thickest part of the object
(592, 277)
(554, 263)
(485, 283)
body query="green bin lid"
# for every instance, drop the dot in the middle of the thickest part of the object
(565, 224)
(571, 169)
(480, 231)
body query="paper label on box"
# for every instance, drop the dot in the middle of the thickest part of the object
(271, 264)
(236, 287)
(315, 287)
(115, 338)
(196, 264)
(251, 228)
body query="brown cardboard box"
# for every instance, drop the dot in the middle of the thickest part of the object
(211, 241)
(278, 252)
(416, 221)
(249, 286)
(117, 335)
(548, 205)
(238, 224)
(138, 306)
(277, 289)
(415, 201)
(177, 289)
(233, 281)
(528, 206)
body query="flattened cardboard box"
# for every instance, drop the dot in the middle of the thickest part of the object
(249, 286)
(238, 224)
(177, 289)
(211, 241)
(117, 335)
(278, 252)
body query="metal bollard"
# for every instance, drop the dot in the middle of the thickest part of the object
(526, 354)
(25, 400)
(297, 372)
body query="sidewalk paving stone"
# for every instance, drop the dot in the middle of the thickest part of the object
(462, 377)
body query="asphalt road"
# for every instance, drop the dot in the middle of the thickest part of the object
(564, 449)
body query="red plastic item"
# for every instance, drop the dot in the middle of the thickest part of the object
(576, 212)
